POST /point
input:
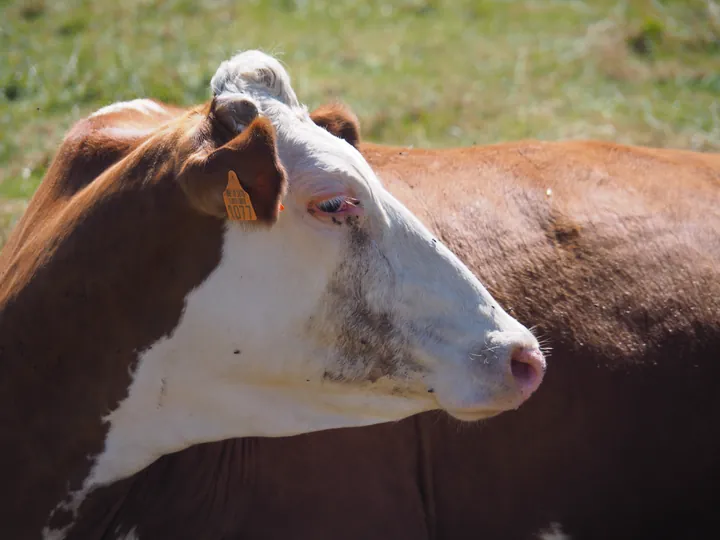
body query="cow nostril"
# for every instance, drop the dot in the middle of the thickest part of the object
(527, 367)
(521, 371)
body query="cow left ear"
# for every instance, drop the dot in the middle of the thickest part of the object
(250, 158)
(340, 120)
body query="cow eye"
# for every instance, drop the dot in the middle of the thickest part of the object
(331, 206)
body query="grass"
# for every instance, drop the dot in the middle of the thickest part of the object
(422, 72)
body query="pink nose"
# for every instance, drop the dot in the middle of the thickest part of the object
(528, 368)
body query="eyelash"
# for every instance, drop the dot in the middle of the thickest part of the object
(335, 205)
(331, 206)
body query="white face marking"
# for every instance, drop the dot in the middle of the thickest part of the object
(312, 325)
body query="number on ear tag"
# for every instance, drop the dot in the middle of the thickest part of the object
(237, 201)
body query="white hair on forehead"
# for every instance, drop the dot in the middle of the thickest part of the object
(254, 72)
(312, 156)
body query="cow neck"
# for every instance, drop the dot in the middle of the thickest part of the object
(102, 276)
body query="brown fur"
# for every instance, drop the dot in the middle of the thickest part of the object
(97, 270)
(618, 264)
(339, 120)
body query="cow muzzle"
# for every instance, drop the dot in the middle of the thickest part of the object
(496, 378)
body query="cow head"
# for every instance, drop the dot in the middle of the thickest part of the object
(346, 311)
(341, 310)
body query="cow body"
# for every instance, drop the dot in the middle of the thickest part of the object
(614, 252)
(138, 320)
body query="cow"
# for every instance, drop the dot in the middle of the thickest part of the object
(613, 251)
(184, 276)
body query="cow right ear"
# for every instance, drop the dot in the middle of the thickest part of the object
(338, 119)
(250, 159)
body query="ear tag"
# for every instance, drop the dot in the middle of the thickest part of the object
(237, 201)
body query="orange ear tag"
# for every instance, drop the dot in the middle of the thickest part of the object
(237, 201)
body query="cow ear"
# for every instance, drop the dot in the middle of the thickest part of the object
(232, 112)
(246, 168)
(339, 120)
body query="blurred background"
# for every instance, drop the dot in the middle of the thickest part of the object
(417, 72)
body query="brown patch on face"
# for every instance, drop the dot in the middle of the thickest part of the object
(339, 120)
(251, 155)
(97, 271)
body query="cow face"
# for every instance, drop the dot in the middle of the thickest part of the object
(348, 303)
(342, 310)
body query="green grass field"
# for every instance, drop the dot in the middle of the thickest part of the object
(422, 72)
